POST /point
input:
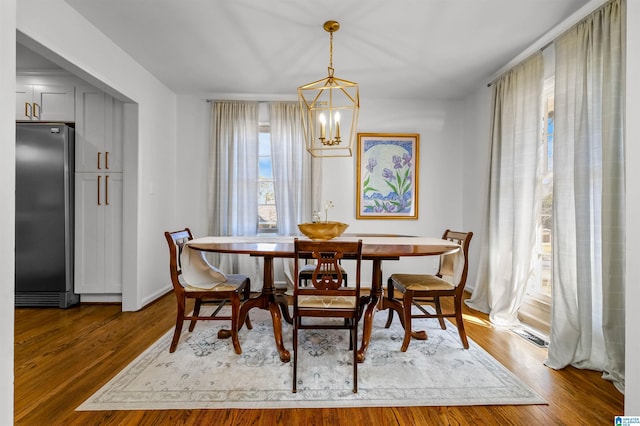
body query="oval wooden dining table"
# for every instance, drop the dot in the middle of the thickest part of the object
(375, 247)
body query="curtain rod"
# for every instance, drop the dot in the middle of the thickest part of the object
(252, 98)
(542, 49)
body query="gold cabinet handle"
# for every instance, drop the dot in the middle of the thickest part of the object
(27, 109)
(36, 110)
(99, 153)
(106, 190)
(106, 160)
(99, 179)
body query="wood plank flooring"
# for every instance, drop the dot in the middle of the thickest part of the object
(64, 356)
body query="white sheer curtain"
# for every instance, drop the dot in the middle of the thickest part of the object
(294, 172)
(507, 251)
(233, 183)
(587, 326)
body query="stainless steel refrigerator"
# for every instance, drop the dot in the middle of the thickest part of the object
(44, 215)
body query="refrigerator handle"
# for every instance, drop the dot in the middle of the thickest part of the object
(36, 110)
(99, 154)
(27, 109)
(106, 190)
(99, 179)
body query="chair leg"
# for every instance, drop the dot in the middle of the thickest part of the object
(295, 354)
(354, 344)
(247, 296)
(389, 297)
(457, 303)
(178, 329)
(436, 302)
(348, 322)
(406, 314)
(196, 313)
(235, 314)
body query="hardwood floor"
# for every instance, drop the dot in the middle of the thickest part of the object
(64, 356)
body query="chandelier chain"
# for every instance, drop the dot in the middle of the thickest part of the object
(331, 49)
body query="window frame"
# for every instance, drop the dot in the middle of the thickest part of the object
(266, 227)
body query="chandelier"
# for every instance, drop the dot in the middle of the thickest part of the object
(329, 109)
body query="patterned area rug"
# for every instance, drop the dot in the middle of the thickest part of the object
(205, 373)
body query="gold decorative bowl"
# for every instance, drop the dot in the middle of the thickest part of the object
(322, 230)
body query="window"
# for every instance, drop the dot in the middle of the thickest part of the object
(544, 240)
(536, 307)
(267, 214)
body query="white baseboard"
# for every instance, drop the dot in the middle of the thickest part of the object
(101, 298)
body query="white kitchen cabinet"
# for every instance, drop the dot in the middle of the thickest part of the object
(39, 102)
(99, 131)
(98, 192)
(98, 233)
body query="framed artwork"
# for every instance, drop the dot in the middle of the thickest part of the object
(387, 174)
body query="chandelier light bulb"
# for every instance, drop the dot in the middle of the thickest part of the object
(323, 123)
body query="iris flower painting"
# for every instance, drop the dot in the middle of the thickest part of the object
(387, 176)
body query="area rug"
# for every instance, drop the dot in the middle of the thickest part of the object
(205, 372)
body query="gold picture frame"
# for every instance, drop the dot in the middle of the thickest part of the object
(387, 175)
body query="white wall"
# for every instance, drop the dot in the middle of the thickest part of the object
(440, 205)
(632, 340)
(476, 159)
(149, 163)
(192, 163)
(7, 207)
(439, 123)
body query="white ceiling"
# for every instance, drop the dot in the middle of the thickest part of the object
(392, 48)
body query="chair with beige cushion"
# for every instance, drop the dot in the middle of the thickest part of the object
(418, 289)
(219, 294)
(326, 298)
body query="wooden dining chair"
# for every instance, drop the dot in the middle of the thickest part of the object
(221, 294)
(326, 297)
(419, 289)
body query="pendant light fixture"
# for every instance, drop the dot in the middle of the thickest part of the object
(329, 109)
